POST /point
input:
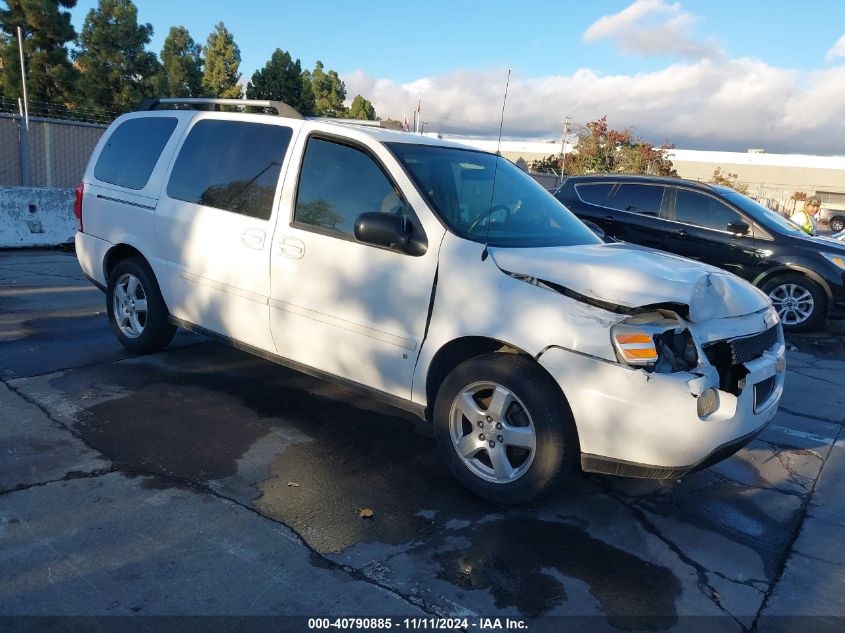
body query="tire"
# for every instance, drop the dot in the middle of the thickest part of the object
(536, 406)
(808, 301)
(837, 224)
(139, 330)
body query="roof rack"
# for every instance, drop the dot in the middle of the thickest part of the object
(282, 108)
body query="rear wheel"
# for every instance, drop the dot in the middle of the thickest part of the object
(503, 428)
(137, 312)
(837, 224)
(799, 301)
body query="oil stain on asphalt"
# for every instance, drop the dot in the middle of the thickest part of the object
(195, 417)
(503, 558)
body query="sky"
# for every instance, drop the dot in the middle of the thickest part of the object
(702, 74)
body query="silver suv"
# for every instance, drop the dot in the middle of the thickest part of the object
(834, 218)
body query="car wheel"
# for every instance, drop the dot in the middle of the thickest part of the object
(837, 224)
(137, 312)
(799, 301)
(503, 428)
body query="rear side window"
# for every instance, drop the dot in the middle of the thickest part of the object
(644, 199)
(594, 193)
(230, 165)
(338, 183)
(699, 209)
(132, 151)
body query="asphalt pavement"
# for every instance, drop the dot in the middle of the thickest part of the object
(204, 481)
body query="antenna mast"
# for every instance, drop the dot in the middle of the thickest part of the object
(485, 252)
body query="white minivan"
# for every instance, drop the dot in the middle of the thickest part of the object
(439, 278)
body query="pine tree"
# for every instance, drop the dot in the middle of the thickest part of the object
(361, 108)
(222, 60)
(46, 32)
(117, 70)
(329, 92)
(281, 79)
(181, 60)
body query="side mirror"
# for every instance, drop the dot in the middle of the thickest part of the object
(388, 231)
(739, 228)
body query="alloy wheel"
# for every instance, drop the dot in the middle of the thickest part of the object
(129, 305)
(492, 432)
(794, 303)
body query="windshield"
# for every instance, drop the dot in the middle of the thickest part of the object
(760, 213)
(459, 185)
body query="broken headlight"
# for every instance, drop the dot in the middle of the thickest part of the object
(656, 341)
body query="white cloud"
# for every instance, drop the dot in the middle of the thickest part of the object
(653, 28)
(706, 104)
(837, 50)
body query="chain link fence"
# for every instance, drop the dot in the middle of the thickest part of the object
(51, 153)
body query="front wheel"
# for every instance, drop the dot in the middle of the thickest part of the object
(837, 224)
(504, 428)
(799, 301)
(137, 312)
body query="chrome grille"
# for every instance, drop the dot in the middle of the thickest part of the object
(751, 347)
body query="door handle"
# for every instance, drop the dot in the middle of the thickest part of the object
(292, 248)
(253, 238)
(609, 218)
(681, 233)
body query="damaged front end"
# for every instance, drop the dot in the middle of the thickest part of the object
(657, 341)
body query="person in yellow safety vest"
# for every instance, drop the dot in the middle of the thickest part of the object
(806, 218)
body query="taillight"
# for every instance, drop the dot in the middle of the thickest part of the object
(77, 205)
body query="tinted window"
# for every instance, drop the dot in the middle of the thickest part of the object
(762, 214)
(230, 165)
(132, 151)
(643, 199)
(594, 194)
(485, 198)
(699, 209)
(338, 183)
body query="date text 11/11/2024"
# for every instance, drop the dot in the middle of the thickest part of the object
(417, 624)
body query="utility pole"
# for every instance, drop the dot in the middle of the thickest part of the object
(566, 121)
(26, 179)
(23, 80)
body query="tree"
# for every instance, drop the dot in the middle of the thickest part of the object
(329, 92)
(222, 60)
(46, 32)
(281, 79)
(361, 109)
(117, 70)
(548, 165)
(600, 149)
(728, 179)
(181, 61)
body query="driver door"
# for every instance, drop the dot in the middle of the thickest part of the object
(340, 306)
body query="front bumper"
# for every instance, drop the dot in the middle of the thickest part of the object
(641, 424)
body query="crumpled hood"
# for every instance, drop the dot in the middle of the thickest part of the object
(632, 276)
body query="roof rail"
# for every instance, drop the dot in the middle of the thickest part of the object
(282, 108)
(329, 119)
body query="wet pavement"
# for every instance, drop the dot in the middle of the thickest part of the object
(202, 480)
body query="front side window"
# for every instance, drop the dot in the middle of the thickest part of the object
(699, 209)
(132, 151)
(230, 165)
(337, 183)
(644, 199)
(762, 214)
(486, 198)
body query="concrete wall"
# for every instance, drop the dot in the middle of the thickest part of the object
(31, 216)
